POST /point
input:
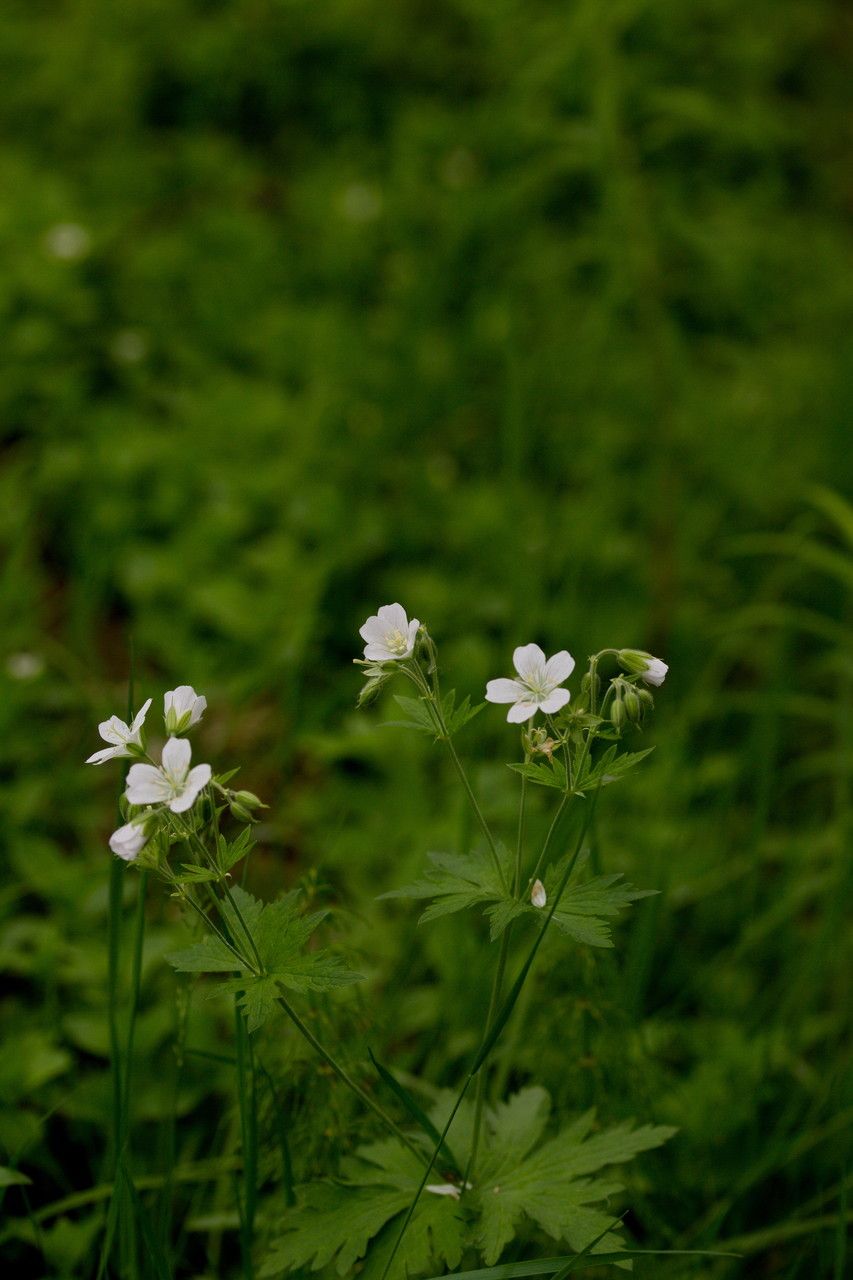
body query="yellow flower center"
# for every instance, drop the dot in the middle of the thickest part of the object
(396, 641)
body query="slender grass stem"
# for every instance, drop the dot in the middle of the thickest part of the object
(377, 1109)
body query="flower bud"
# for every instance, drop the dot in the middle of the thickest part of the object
(633, 706)
(241, 812)
(377, 676)
(617, 713)
(591, 685)
(638, 663)
(538, 896)
(249, 800)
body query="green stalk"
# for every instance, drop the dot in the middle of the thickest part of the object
(498, 1025)
(497, 983)
(432, 697)
(377, 1109)
(327, 1057)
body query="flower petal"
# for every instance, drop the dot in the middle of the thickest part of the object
(199, 708)
(373, 629)
(379, 653)
(395, 618)
(528, 660)
(114, 730)
(146, 785)
(139, 718)
(655, 672)
(197, 779)
(522, 711)
(560, 667)
(176, 757)
(505, 691)
(414, 628)
(101, 757)
(128, 841)
(556, 698)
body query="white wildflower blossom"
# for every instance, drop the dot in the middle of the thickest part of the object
(538, 896)
(389, 634)
(129, 841)
(655, 672)
(68, 241)
(174, 783)
(182, 708)
(538, 685)
(121, 737)
(24, 666)
(637, 663)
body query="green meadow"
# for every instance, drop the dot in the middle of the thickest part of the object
(536, 319)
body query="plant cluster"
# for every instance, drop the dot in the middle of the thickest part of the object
(462, 1178)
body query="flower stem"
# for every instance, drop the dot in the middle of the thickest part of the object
(472, 799)
(497, 983)
(347, 1079)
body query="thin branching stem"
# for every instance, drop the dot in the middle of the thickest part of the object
(347, 1079)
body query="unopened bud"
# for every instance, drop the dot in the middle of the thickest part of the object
(241, 812)
(633, 707)
(538, 896)
(638, 663)
(249, 800)
(591, 683)
(617, 713)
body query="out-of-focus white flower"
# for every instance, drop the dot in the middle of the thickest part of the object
(361, 202)
(129, 841)
(389, 634)
(538, 896)
(537, 687)
(174, 783)
(129, 346)
(122, 737)
(182, 708)
(24, 666)
(68, 241)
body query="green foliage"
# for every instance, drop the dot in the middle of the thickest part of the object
(537, 324)
(280, 933)
(454, 882)
(520, 1179)
(418, 714)
(550, 1182)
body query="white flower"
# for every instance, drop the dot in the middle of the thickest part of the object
(638, 663)
(537, 688)
(174, 784)
(655, 672)
(182, 708)
(68, 241)
(129, 841)
(121, 736)
(538, 896)
(389, 634)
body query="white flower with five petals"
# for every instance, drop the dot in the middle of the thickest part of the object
(122, 737)
(389, 634)
(538, 685)
(129, 841)
(182, 708)
(174, 783)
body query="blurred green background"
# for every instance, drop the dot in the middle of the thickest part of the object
(535, 317)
